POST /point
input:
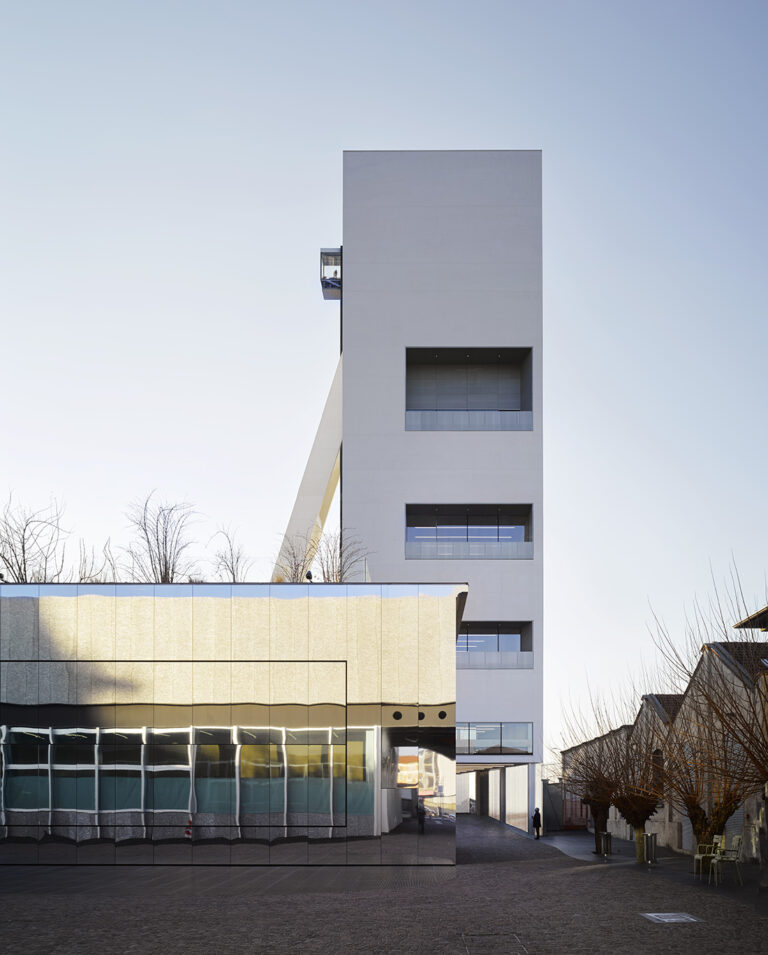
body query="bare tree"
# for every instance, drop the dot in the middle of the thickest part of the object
(635, 775)
(97, 568)
(588, 774)
(334, 557)
(160, 551)
(297, 556)
(230, 561)
(32, 543)
(730, 675)
(341, 556)
(704, 771)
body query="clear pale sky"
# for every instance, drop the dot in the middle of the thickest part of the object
(170, 170)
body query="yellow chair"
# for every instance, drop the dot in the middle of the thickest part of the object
(723, 857)
(705, 851)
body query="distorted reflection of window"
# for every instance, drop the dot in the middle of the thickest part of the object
(260, 761)
(356, 768)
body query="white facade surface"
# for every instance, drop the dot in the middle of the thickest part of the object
(442, 250)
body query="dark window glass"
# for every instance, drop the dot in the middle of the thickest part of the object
(29, 750)
(168, 754)
(74, 749)
(485, 738)
(215, 761)
(120, 753)
(517, 738)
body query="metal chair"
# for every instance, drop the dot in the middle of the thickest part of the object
(725, 856)
(704, 851)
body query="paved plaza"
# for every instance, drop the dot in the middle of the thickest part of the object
(509, 893)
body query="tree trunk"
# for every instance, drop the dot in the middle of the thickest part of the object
(701, 825)
(639, 844)
(762, 834)
(600, 817)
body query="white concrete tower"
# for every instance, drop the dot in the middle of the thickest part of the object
(441, 469)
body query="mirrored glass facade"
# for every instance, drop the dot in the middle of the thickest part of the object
(228, 724)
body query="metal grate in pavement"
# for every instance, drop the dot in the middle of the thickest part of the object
(493, 943)
(669, 917)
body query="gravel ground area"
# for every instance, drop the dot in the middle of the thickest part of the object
(509, 894)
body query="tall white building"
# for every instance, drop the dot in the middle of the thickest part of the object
(434, 424)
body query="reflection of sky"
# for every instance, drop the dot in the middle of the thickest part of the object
(227, 591)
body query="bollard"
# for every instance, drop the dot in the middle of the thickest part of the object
(649, 846)
(605, 843)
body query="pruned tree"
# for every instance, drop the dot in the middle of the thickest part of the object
(230, 561)
(32, 543)
(159, 552)
(704, 772)
(636, 780)
(729, 671)
(587, 772)
(341, 556)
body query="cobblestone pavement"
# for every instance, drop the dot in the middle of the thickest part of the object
(510, 894)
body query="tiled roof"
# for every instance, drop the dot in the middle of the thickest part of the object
(670, 703)
(749, 654)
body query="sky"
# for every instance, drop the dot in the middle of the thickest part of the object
(169, 171)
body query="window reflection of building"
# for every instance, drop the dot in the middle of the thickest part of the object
(208, 770)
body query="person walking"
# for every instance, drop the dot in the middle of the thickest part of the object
(536, 819)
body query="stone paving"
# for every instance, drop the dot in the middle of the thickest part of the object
(510, 894)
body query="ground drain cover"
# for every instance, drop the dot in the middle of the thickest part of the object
(482, 944)
(669, 917)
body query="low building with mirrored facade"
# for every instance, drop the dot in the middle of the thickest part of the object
(228, 724)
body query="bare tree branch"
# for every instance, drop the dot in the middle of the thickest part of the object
(159, 552)
(230, 562)
(297, 555)
(341, 556)
(32, 543)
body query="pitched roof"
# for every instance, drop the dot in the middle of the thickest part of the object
(756, 621)
(748, 655)
(669, 702)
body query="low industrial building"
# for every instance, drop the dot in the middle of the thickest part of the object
(228, 723)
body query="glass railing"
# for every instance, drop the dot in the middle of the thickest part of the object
(434, 420)
(494, 660)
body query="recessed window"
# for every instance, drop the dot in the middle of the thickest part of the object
(491, 739)
(468, 389)
(495, 637)
(471, 531)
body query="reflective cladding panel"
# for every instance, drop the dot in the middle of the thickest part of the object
(399, 784)
(136, 729)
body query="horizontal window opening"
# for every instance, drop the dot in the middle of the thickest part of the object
(468, 523)
(468, 379)
(487, 739)
(495, 637)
